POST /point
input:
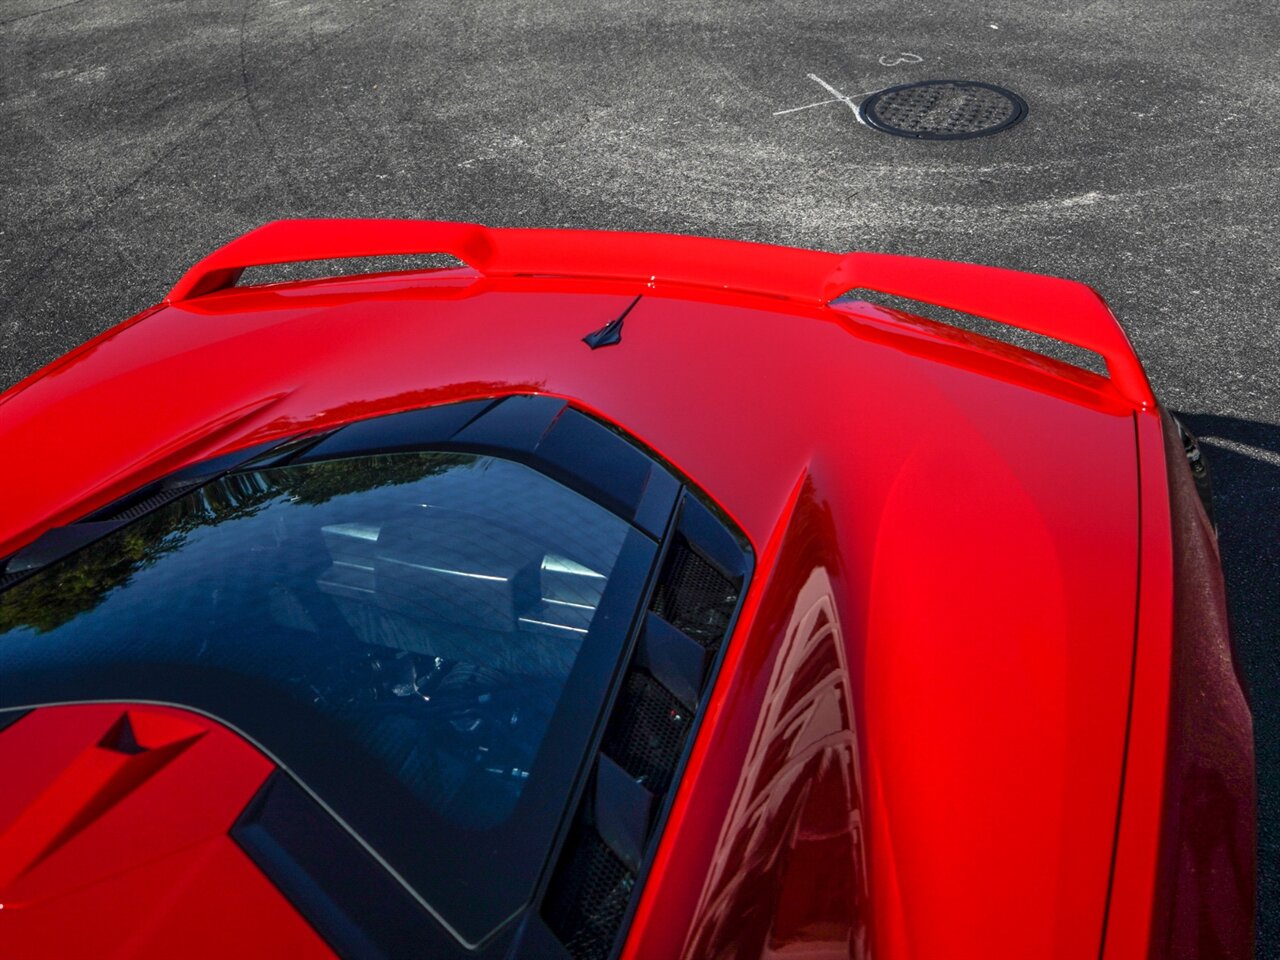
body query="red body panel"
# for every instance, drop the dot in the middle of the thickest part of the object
(113, 840)
(916, 745)
(1183, 884)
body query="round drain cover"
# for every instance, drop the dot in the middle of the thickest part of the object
(943, 110)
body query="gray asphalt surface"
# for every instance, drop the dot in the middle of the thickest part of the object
(137, 136)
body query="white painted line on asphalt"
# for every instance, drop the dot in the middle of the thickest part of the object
(836, 97)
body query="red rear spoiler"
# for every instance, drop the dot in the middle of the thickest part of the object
(1061, 309)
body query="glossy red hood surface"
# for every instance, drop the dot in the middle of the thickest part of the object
(947, 533)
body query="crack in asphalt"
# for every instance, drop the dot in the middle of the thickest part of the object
(113, 198)
(36, 13)
(284, 170)
(12, 324)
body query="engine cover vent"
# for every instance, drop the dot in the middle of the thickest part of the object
(648, 733)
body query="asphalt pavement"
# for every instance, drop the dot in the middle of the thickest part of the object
(137, 136)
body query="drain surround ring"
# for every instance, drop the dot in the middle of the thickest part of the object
(942, 110)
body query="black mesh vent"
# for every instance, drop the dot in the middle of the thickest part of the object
(591, 889)
(133, 509)
(589, 895)
(646, 735)
(647, 731)
(694, 596)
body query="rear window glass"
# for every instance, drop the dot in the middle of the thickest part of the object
(399, 630)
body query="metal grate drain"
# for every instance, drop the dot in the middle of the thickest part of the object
(943, 110)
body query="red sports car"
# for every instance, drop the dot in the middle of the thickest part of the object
(610, 595)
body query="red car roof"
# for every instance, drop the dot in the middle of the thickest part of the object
(966, 512)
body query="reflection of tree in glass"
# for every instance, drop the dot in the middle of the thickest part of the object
(78, 584)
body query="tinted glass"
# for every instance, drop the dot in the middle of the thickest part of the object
(405, 632)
